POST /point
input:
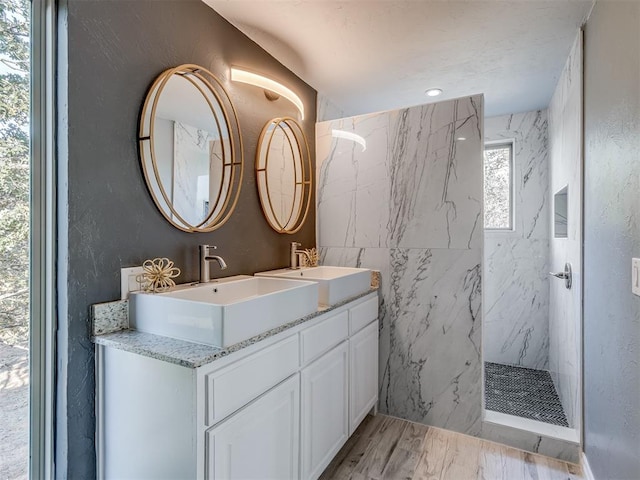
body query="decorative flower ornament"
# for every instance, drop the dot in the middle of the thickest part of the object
(312, 261)
(158, 275)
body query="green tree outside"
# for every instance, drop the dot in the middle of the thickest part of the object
(14, 171)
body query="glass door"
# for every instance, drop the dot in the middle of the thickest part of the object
(15, 208)
(26, 238)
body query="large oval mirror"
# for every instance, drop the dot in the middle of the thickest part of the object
(283, 171)
(191, 148)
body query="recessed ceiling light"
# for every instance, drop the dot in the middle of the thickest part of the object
(461, 138)
(433, 92)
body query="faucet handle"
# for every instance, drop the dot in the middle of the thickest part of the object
(295, 245)
(205, 248)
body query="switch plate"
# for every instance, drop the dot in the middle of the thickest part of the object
(635, 276)
(128, 281)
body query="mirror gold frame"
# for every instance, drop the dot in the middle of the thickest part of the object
(302, 175)
(214, 93)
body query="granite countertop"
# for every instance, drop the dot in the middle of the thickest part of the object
(189, 354)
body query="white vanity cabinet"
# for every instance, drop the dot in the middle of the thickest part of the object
(280, 408)
(261, 440)
(363, 385)
(325, 410)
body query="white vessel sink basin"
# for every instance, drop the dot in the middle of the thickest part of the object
(223, 312)
(335, 283)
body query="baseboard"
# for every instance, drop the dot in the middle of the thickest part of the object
(586, 469)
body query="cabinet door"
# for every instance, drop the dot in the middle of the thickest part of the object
(325, 397)
(261, 441)
(363, 388)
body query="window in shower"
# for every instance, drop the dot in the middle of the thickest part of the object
(498, 186)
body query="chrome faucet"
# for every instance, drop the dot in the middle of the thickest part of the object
(295, 254)
(205, 258)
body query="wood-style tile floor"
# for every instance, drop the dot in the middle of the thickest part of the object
(389, 448)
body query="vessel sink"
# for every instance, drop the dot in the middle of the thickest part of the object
(223, 312)
(335, 283)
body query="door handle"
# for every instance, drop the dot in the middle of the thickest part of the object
(565, 275)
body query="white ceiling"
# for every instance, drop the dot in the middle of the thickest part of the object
(372, 55)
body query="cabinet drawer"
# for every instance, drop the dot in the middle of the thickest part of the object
(363, 314)
(321, 338)
(236, 385)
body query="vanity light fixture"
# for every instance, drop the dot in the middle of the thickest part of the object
(462, 139)
(271, 87)
(433, 92)
(350, 136)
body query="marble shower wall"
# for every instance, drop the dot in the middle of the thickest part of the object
(565, 311)
(327, 109)
(410, 205)
(516, 263)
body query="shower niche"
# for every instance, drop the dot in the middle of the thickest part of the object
(560, 213)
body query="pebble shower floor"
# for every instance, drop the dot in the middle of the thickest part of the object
(524, 392)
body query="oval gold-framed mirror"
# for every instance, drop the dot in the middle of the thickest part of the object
(283, 174)
(191, 148)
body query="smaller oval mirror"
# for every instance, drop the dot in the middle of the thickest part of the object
(191, 148)
(283, 173)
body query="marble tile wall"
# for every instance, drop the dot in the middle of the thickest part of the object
(191, 172)
(327, 109)
(516, 263)
(409, 204)
(565, 311)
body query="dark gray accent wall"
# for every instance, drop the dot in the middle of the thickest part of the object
(611, 239)
(109, 53)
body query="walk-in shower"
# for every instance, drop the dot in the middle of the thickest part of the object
(531, 272)
(517, 250)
